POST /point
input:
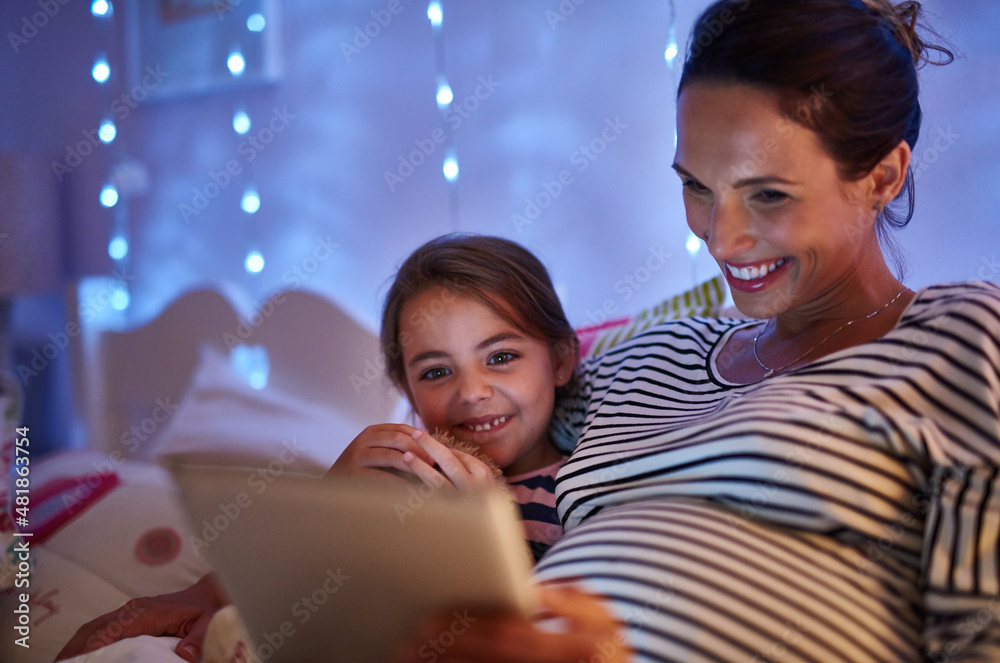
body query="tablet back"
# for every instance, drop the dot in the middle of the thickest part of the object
(343, 570)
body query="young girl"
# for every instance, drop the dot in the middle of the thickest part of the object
(474, 334)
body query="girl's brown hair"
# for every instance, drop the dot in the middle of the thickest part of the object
(498, 273)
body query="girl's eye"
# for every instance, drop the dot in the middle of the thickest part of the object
(501, 358)
(771, 196)
(435, 373)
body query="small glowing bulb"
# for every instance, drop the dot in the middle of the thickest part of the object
(254, 262)
(236, 63)
(107, 131)
(693, 244)
(120, 299)
(118, 247)
(256, 23)
(671, 52)
(257, 379)
(444, 95)
(251, 201)
(109, 195)
(100, 8)
(241, 122)
(434, 13)
(101, 71)
(450, 169)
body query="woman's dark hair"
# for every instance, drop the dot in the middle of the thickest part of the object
(846, 69)
(499, 274)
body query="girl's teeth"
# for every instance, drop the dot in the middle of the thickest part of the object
(750, 273)
(488, 425)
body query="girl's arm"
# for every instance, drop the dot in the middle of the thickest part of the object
(455, 468)
(400, 452)
(378, 451)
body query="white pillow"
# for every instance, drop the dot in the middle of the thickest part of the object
(223, 420)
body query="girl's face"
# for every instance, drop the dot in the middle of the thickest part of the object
(473, 375)
(768, 200)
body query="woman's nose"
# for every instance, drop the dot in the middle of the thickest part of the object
(728, 234)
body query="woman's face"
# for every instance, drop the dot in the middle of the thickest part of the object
(768, 200)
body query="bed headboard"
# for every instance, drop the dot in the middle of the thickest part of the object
(317, 353)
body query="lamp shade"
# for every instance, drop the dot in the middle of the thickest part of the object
(30, 246)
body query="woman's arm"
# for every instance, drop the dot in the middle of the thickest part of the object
(581, 629)
(184, 614)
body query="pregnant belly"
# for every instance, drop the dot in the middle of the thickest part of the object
(694, 582)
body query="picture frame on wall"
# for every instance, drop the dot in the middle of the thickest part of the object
(197, 47)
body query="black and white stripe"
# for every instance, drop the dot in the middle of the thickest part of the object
(847, 510)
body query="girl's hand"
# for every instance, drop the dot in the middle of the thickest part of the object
(378, 452)
(455, 468)
(587, 632)
(184, 614)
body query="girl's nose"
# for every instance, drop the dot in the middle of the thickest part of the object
(474, 387)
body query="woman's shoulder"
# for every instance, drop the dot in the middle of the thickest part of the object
(701, 331)
(968, 296)
(969, 309)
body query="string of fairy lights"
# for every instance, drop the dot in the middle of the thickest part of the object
(242, 123)
(107, 132)
(444, 96)
(693, 243)
(250, 201)
(113, 195)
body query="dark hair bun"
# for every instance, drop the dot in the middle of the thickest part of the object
(906, 24)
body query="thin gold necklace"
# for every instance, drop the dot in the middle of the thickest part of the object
(768, 372)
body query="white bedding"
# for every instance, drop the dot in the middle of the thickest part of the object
(119, 534)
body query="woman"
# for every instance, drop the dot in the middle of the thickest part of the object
(819, 484)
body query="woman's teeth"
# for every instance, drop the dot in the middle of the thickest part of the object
(487, 425)
(750, 273)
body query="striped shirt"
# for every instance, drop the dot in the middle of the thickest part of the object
(535, 494)
(846, 510)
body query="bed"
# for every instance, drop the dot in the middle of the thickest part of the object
(279, 386)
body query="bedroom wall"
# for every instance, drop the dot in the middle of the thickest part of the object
(563, 104)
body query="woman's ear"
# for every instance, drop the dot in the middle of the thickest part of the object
(889, 176)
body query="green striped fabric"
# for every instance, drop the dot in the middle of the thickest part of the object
(705, 299)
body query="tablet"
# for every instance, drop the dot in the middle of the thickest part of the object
(345, 569)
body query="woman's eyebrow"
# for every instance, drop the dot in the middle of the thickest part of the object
(763, 179)
(747, 181)
(681, 170)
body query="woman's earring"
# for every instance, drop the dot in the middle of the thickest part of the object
(879, 206)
